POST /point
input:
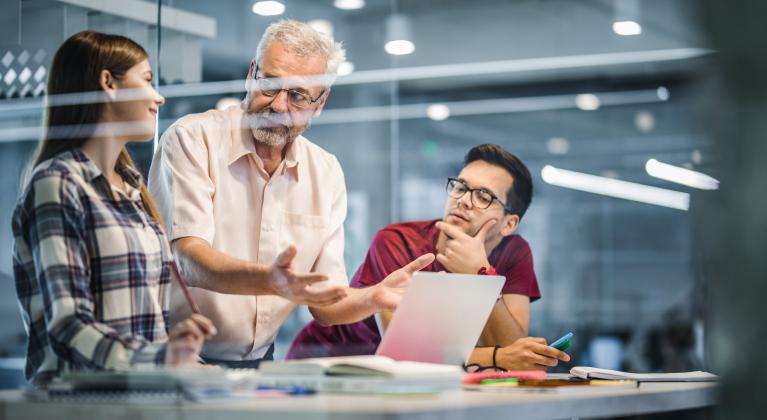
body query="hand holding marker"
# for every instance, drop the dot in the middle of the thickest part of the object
(563, 343)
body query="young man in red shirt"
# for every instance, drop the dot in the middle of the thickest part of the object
(476, 235)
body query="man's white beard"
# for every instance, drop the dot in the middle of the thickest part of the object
(269, 132)
(269, 137)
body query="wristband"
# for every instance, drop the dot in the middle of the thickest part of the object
(487, 271)
(495, 365)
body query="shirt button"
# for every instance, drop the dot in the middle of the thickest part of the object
(266, 228)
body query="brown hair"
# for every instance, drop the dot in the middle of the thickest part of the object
(76, 69)
(520, 194)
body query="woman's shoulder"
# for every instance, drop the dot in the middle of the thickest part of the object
(54, 183)
(59, 175)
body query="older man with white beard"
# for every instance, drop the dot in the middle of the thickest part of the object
(255, 211)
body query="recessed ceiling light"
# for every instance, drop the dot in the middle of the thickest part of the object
(399, 35)
(558, 146)
(663, 93)
(587, 102)
(268, 8)
(627, 28)
(644, 121)
(399, 47)
(438, 112)
(349, 4)
(696, 156)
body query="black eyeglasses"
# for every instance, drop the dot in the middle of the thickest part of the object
(481, 198)
(271, 88)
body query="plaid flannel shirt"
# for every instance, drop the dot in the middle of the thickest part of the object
(92, 272)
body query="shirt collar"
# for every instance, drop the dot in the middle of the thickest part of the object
(88, 168)
(133, 181)
(291, 154)
(90, 171)
(131, 175)
(242, 138)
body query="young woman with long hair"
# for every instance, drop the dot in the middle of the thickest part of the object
(91, 261)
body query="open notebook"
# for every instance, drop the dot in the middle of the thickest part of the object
(366, 374)
(359, 366)
(597, 373)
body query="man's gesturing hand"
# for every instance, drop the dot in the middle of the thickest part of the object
(301, 288)
(464, 253)
(386, 295)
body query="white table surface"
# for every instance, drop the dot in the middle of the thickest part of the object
(648, 398)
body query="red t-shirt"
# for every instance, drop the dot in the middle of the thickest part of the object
(392, 248)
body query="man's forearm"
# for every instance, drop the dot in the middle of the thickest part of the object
(207, 268)
(356, 307)
(502, 328)
(481, 356)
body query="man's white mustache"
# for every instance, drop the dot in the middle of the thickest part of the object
(266, 120)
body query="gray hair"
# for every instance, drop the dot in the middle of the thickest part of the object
(304, 41)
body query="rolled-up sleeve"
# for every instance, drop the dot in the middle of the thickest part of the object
(181, 184)
(331, 258)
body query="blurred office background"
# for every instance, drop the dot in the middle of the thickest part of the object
(598, 87)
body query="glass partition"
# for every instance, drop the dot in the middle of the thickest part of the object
(587, 93)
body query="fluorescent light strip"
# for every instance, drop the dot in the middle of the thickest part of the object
(615, 188)
(481, 107)
(679, 175)
(523, 65)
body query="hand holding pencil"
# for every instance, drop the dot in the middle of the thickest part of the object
(186, 337)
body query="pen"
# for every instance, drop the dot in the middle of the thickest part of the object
(289, 390)
(185, 289)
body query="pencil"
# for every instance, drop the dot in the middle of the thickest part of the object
(185, 289)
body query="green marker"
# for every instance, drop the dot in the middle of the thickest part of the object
(499, 381)
(563, 343)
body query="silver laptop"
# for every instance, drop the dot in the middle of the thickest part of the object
(440, 317)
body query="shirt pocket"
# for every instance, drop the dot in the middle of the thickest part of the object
(307, 221)
(308, 233)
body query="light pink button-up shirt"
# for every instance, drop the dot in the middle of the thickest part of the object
(210, 183)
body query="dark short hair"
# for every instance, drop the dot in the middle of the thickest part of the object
(520, 194)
